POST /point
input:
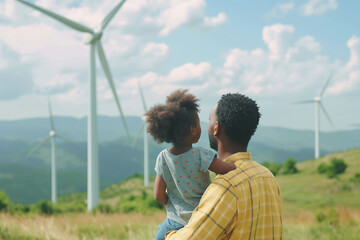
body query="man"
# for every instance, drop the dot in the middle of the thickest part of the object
(246, 202)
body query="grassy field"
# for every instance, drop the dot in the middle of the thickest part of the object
(310, 190)
(80, 226)
(315, 207)
(136, 226)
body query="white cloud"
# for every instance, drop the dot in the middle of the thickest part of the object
(285, 68)
(306, 48)
(15, 76)
(7, 8)
(136, 51)
(318, 7)
(221, 18)
(227, 90)
(277, 38)
(288, 68)
(155, 49)
(350, 83)
(61, 48)
(58, 52)
(161, 17)
(59, 83)
(179, 13)
(354, 46)
(77, 94)
(281, 10)
(188, 72)
(195, 77)
(350, 73)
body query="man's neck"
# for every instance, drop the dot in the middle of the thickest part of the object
(227, 149)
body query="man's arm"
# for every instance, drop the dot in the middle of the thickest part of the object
(215, 215)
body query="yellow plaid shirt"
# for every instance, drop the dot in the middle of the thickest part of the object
(242, 204)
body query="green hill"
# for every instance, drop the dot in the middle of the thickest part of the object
(306, 190)
(28, 185)
(129, 195)
(310, 190)
(27, 180)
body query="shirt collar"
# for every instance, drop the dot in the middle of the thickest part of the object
(240, 156)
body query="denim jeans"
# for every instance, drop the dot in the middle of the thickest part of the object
(166, 226)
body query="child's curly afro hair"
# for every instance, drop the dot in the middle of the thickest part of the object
(171, 122)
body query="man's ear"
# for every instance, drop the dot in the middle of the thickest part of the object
(216, 128)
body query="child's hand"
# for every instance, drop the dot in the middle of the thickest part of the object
(220, 167)
(232, 166)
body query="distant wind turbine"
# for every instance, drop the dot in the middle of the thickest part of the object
(318, 104)
(52, 136)
(146, 144)
(95, 43)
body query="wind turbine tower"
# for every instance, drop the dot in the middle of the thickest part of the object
(94, 41)
(146, 144)
(318, 105)
(51, 137)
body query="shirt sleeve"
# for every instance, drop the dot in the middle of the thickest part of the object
(159, 165)
(215, 216)
(206, 157)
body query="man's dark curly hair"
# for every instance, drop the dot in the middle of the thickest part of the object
(239, 116)
(171, 122)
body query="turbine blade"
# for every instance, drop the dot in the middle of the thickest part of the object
(107, 72)
(326, 84)
(305, 101)
(111, 14)
(38, 145)
(138, 134)
(64, 138)
(51, 117)
(142, 97)
(68, 22)
(326, 114)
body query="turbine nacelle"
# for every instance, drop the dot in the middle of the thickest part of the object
(317, 99)
(92, 38)
(52, 133)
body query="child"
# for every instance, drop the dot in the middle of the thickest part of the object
(182, 171)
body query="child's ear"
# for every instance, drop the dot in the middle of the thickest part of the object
(193, 130)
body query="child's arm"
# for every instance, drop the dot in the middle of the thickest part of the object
(220, 167)
(160, 190)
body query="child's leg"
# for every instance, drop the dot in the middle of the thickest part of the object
(166, 226)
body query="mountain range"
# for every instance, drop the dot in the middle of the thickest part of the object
(27, 179)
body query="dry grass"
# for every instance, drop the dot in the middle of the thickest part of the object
(81, 226)
(136, 226)
(305, 216)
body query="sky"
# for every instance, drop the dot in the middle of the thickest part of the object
(276, 52)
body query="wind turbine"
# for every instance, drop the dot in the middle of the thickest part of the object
(318, 105)
(51, 137)
(146, 145)
(95, 44)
